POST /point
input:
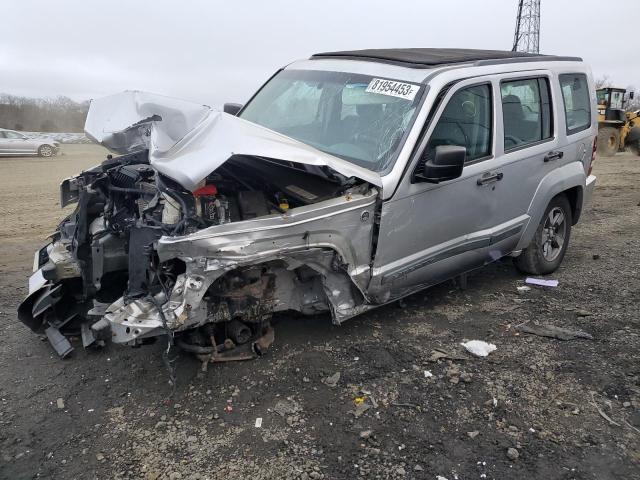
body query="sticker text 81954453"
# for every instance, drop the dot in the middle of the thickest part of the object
(393, 88)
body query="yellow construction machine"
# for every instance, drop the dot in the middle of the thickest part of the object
(617, 128)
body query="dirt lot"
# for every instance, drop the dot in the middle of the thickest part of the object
(568, 410)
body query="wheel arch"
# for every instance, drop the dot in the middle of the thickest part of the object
(569, 180)
(575, 196)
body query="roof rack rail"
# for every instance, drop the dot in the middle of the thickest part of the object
(549, 58)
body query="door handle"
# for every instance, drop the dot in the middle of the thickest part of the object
(553, 156)
(490, 178)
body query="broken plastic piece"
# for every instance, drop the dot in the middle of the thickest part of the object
(551, 331)
(541, 282)
(88, 338)
(59, 342)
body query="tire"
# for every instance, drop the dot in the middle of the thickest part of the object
(45, 151)
(608, 141)
(544, 254)
(635, 147)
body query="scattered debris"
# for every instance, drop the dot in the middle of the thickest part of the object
(596, 256)
(541, 282)
(583, 313)
(601, 412)
(60, 403)
(551, 331)
(286, 407)
(439, 354)
(359, 400)
(479, 348)
(366, 433)
(407, 405)
(466, 377)
(428, 374)
(259, 422)
(361, 409)
(523, 289)
(453, 372)
(512, 453)
(473, 434)
(333, 380)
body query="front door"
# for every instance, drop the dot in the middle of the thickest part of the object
(430, 232)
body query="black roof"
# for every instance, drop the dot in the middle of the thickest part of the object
(431, 57)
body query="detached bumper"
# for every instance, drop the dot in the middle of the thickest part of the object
(588, 191)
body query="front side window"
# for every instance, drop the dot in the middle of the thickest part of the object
(577, 102)
(465, 122)
(359, 118)
(526, 112)
(603, 97)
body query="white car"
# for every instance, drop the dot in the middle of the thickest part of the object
(16, 143)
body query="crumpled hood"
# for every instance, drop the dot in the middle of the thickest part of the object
(187, 141)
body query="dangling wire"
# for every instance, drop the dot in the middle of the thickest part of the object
(168, 362)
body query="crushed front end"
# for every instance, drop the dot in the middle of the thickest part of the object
(207, 260)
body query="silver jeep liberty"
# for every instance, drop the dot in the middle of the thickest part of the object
(349, 180)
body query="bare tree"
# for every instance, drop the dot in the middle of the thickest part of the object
(603, 82)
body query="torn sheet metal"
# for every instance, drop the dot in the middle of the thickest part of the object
(187, 141)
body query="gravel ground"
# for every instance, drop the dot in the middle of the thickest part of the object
(536, 408)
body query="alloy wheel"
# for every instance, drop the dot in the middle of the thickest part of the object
(554, 232)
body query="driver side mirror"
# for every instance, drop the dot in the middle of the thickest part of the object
(446, 164)
(631, 95)
(232, 108)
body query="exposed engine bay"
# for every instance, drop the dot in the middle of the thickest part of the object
(142, 256)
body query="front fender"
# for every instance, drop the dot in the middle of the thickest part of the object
(557, 181)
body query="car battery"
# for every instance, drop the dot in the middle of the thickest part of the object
(210, 206)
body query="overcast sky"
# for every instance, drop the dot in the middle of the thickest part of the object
(216, 51)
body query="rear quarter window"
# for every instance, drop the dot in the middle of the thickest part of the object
(577, 101)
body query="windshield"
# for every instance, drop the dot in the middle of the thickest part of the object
(359, 118)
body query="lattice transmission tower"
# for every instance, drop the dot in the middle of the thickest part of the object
(527, 36)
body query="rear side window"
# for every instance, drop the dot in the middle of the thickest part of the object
(465, 122)
(577, 104)
(526, 112)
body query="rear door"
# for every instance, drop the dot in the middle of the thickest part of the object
(527, 150)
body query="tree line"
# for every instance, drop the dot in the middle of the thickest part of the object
(60, 114)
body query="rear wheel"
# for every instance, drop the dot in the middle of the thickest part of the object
(608, 141)
(635, 147)
(546, 251)
(45, 151)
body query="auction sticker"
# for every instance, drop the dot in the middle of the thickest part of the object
(392, 88)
